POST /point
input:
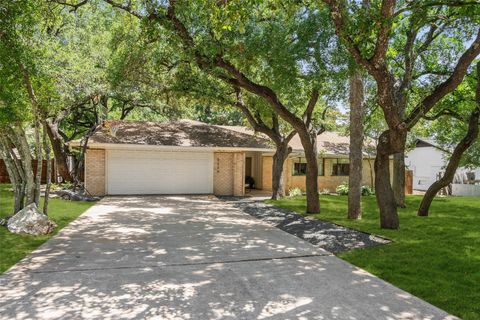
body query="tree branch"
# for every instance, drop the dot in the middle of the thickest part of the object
(307, 115)
(73, 5)
(126, 8)
(444, 112)
(381, 45)
(448, 85)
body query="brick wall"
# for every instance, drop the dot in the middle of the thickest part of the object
(95, 172)
(327, 181)
(228, 173)
(267, 164)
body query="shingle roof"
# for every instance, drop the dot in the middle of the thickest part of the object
(183, 133)
(329, 142)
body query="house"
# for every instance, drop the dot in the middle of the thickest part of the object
(191, 157)
(427, 161)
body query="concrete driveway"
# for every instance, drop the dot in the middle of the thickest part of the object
(174, 257)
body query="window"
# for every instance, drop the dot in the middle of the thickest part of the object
(340, 167)
(300, 167)
(321, 167)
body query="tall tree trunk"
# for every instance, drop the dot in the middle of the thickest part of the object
(383, 188)
(39, 156)
(281, 143)
(59, 151)
(356, 147)
(309, 142)
(278, 174)
(465, 143)
(19, 138)
(399, 179)
(46, 146)
(25, 155)
(79, 165)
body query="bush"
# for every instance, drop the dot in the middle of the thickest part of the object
(295, 192)
(367, 191)
(342, 189)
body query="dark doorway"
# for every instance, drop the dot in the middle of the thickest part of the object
(248, 166)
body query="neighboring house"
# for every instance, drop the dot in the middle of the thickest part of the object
(428, 161)
(191, 157)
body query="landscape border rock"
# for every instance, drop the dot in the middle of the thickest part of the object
(75, 196)
(31, 221)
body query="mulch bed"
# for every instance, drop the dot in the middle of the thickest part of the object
(324, 234)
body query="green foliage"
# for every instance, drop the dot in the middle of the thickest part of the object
(436, 258)
(295, 192)
(18, 21)
(448, 130)
(367, 191)
(343, 188)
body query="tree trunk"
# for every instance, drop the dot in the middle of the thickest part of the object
(79, 165)
(465, 143)
(278, 175)
(20, 140)
(399, 179)
(383, 189)
(59, 151)
(38, 150)
(15, 178)
(46, 146)
(356, 147)
(309, 142)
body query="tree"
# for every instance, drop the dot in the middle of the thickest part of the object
(412, 35)
(469, 138)
(76, 55)
(247, 50)
(19, 102)
(356, 146)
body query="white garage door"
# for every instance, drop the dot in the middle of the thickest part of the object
(155, 172)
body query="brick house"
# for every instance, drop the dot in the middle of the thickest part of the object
(190, 157)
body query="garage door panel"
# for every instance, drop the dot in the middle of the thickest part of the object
(159, 172)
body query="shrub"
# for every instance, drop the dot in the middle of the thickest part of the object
(367, 191)
(294, 192)
(342, 189)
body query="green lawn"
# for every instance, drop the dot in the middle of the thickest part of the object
(14, 247)
(436, 258)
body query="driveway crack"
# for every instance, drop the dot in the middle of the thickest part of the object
(182, 264)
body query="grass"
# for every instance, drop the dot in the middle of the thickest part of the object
(436, 258)
(13, 247)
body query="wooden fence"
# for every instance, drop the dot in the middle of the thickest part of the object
(4, 174)
(408, 181)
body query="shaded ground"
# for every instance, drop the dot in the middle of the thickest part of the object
(13, 247)
(192, 258)
(436, 258)
(324, 234)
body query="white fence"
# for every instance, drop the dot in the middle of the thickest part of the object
(465, 190)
